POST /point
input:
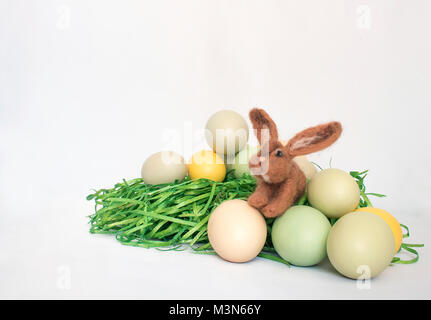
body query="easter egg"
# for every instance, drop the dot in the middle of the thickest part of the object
(237, 231)
(207, 165)
(299, 235)
(228, 161)
(306, 166)
(226, 132)
(334, 192)
(391, 221)
(163, 167)
(240, 164)
(303, 163)
(360, 245)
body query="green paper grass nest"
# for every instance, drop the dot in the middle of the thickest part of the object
(174, 216)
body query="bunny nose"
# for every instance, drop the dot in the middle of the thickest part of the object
(254, 160)
(262, 159)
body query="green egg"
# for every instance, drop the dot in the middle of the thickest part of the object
(299, 235)
(240, 165)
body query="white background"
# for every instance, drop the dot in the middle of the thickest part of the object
(88, 89)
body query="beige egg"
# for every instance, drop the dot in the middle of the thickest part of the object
(360, 245)
(237, 231)
(283, 142)
(303, 163)
(226, 132)
(164, 167)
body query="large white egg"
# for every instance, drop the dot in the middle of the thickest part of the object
(226, 132)
(164, 167)
(237, 231)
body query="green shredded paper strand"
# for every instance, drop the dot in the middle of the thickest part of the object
(408, 247)
(174, 216)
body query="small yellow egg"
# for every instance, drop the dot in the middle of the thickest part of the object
(237, 231)
(391, 221)
(207, 165)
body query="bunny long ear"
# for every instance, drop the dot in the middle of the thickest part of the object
(314, 139)
(261, 120)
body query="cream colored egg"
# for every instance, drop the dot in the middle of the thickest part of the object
(237, 231)
(283, 142)
(306, 166)
(226, 132)
(164, 167)
(303, 163)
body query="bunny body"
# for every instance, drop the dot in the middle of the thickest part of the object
(280, 182)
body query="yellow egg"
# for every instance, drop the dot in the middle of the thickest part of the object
(391, 221)
(207, 165)
(237, 231)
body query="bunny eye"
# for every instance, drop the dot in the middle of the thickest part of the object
(279, 153)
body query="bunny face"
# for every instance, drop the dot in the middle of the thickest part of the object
(273, 166)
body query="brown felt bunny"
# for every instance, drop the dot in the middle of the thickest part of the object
(280, 181)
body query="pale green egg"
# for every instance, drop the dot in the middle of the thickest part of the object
(334, 192)
(299, 235)
(360, 245)
(242, 158)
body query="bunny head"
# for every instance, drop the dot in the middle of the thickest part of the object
(274, 162)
